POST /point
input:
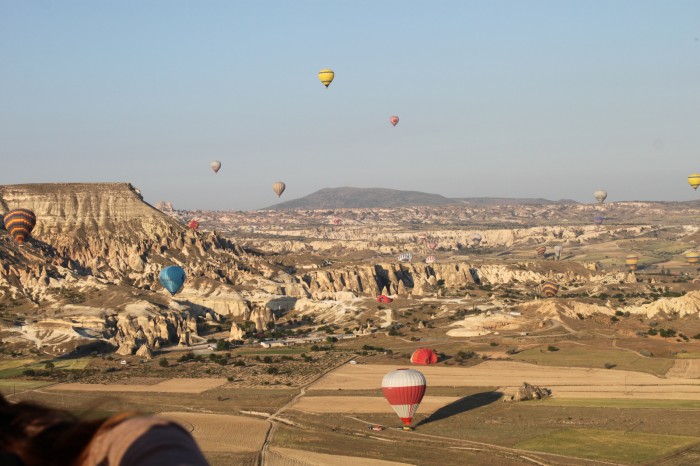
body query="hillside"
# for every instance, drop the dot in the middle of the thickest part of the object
(350, 198)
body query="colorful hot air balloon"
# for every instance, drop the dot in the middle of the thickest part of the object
(216, 165)
(19, 223)
(194, 224)
(394, 120)
(694, 180)
(424, 356)
(432, 245)
(404, 390)
(172, 278)
(336, 221)
(631, 260)
(326, 76)
(598, 219)
(541, 250)
(422, 237)
(430, 260)
(693, 257)
(279, 187)
(550, 289)
(557, 251)
(476, 239)
(405, 257)
(600, 195)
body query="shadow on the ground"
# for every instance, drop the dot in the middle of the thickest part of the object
(462, 405)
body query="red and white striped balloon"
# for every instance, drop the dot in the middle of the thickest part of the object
(404, 390)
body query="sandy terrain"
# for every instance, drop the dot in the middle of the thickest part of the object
(223, 433)
(289, 457)
(685, 368)
(363, 404)
(563, 381)
(167, 386)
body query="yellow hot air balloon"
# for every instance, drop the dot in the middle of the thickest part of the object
(693, 257)
(326, 76)
(632, 260)
(279, 188)
(550, 289)
(694, 180)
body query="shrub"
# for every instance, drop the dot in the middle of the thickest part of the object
(229, 378)
(609, 365)
(49, 366)
(614, 319)
(163, 362)
(239, 363)
(552, 348)
(272, 370)
(493, 343)
(619, 313)
(267, 360)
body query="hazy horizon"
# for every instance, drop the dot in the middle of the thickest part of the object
(514, 99)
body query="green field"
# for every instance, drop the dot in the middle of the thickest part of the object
(269, 351)
(691, 355)
(619, 403)
(8, 387)
(577, 356)
(602, 444)
(15, 367)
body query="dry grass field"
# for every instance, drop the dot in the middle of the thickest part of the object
(291, 457)
(222, 433)
(363, 404)
(167, 386)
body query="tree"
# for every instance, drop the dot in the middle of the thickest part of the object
(163, 362)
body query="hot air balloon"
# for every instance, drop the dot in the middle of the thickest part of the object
(194, 224)
(476, 239)
(216, 165)
(19, 223)
(394, 120)
(600, 195)
(172, 278)
(694, 180)
(557, 251)
(424, 356)
(598, 219)
(430, 260)
(422, 237)
(693, 257)
(405, 257)
(631, 261)
(550, 289)
(279, 187)
(336, 221)
(404, 390)
(326, 76)
(541, 250)
(432, 245)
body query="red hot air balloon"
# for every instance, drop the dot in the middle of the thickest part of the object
(424, 356)
(394, 120)
(432, 245)
(194, 224)
(404, 390)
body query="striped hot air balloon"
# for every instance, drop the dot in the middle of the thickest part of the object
(20, 223)
(598, 219)
(278, 187)
(424, 356)
(693, 257)
(541, 250)
(694, 180)
(430, 260)
(632, 260)
(326, 76)
(172, 278)
(550, 289)
(422, 237)
(405, 257)
(432, 245)
(404, 390)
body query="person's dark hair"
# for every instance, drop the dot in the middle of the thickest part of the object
(34, 435)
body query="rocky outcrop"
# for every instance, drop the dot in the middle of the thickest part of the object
(529, 392)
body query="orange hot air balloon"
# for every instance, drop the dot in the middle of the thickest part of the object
(631, 261)
(194, 224)
(550, 289)
(693, 257)
(424, 356)
(394, 120)
(20, 223)
(541, 250)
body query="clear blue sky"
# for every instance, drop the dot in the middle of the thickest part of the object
(496, 98)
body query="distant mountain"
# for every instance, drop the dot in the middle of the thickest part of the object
(512, 201)
(350, 198)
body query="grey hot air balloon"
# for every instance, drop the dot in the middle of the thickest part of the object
(278, 187)
(215, 165)
(600, 195)
(557, 251)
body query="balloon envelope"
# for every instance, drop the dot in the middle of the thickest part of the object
(598, 219)
(326, 76)
(404, 390)
(600, 195)
(550, 289)
(694, 180)
(395, 120)
(541, 250)
(432, 245)
(693, 257)
(194, 224)
(279, 187)
(424, 356)
(405, 257)
(19, 223)
(632, 260)
(430, 260)
(216, 165)
(172, 278)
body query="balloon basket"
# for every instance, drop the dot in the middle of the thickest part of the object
(408, 428)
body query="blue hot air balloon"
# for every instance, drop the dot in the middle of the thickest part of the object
(172, 278)
(598, 219)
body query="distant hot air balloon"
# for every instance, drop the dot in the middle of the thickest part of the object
(430, 260)
(550, 289)
(194, 224)
(405, 257)
(631, 260)
(598, 219)
(557, 251)
(19, 223)
(432, 245)
(693, 257)
(172, 278)
(422, 237)
(394, 120)
(216, 165)
(279, 187)
(326, 76)
(404, 390)
(694, 180)
(336, 221)
(541, 250)
(600, 195)
(476, 239)
(424, 356)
